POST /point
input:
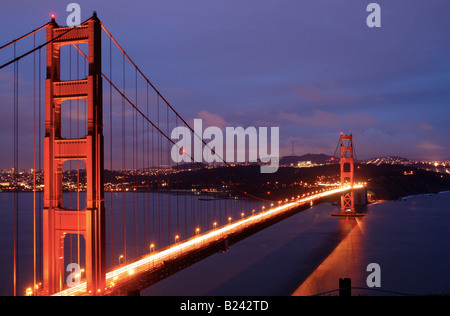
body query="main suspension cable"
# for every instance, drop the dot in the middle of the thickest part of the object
(40, 46)
(177, 114)
(24, 36)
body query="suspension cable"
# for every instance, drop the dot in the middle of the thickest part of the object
(24, 36)
(176, 113)
(171, 141)
(165, 135)
(40, 46)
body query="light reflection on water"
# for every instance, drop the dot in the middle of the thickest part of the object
(408, 239)
(344, 261)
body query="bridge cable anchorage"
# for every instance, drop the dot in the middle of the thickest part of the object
(179, 116)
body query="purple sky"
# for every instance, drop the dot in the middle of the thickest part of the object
(312, 67)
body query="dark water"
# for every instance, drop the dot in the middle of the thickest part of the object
(305, 254)
(150, 218)
(310, 251)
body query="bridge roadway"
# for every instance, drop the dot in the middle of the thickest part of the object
(131, 278)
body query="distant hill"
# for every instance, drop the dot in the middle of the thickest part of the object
(314, 158)
(189, 166)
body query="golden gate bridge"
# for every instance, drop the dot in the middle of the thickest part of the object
(102, 112)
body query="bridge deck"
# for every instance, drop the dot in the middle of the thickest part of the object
(149, 269)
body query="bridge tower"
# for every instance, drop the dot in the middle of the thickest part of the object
(57, 220)
(347, 173)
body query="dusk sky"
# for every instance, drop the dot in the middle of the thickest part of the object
(312, 67)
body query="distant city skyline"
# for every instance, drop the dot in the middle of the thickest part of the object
(313, 69)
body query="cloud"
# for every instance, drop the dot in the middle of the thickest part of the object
(176, 92)
(426, 127)
(321, 118)
(210, 119)
(329, 93)
(427, 145)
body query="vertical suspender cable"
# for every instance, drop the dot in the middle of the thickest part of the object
(144, 209)
(133, 165)
(124, 209)
(111, 152)
(158, 151)
(78, 175)
(40, 166)
(176, 180)
(153, 195)
(133, 180)
(70, 136)
(169, 209)
(144, 204)
(34, 165)
(16, 188)
(148, 169)
(136, 171)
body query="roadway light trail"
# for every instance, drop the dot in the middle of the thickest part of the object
(157, 258)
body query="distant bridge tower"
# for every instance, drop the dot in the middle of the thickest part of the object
(347, 173)
(58, 221)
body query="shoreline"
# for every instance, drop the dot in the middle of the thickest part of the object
(420, 194)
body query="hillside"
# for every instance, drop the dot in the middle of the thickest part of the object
(386, 182)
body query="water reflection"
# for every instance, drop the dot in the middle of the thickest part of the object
(345, 261)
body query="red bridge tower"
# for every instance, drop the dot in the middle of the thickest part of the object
(347, 173)
(347, 176)
(58, 221)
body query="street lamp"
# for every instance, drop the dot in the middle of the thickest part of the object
(197, 231)
(176, 238)
(152, 248)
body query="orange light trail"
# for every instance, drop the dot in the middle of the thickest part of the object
(199, 241)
